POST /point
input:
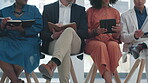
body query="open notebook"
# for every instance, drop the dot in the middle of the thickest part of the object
(25, 23)
(57, 28)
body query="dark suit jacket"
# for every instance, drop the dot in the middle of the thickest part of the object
(51, 14)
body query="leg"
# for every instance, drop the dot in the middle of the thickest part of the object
(8, 69)
(64, 70)
(68, 41)
(18, 69)
(107, 76)
(99, 54)
(114, 55)
(70, 46)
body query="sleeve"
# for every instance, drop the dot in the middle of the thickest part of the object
(117, 17)
(37, 27)
(83, 27)
(90, 25)
(46, 33)
(126, 37)
(2, 32)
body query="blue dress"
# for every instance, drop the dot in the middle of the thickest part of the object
(19, 48)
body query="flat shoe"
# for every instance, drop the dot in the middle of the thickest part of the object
(45, 70)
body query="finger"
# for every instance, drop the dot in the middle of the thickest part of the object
(53, 30)
(117, 24)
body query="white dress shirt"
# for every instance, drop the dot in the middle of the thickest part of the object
(64, 13)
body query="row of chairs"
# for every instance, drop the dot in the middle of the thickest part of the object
(91, 75)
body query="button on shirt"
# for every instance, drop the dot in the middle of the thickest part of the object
(140, 17)
(64, 13)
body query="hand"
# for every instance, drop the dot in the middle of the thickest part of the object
(56, 35)
(59, 24)
(4, 21)
(101, 30)
(138, 33)
(13, 27)
(117, 28)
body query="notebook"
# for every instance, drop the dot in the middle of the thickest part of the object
(57, 28)
(25, 23)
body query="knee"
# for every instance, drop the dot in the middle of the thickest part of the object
(99, 45)
(113, 44)
(69, 30)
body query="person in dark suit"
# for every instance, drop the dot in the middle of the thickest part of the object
(63, 43)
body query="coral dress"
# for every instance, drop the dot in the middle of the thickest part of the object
(104, 49)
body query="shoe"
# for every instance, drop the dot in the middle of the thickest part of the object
(135, 50)
(47, 70)
(45, 77)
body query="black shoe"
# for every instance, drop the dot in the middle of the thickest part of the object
(135, 50)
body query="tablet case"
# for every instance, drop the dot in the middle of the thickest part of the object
(108, 23)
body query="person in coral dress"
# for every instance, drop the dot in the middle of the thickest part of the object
(103, 48)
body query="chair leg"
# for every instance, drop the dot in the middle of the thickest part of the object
(34, 77)
(7, 80)
(90, 73)
(28, 77)
(3, 78)
(73, 73)
(132, 71)
(140, 71)
(93, 74)
(117, 78)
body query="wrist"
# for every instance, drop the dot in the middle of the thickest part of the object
(135, 37)
(95, 33)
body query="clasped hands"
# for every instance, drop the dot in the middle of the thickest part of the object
(11, 26)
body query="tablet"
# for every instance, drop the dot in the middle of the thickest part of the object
(108, 23)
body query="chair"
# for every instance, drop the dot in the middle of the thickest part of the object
(72, 71)
(5, 79)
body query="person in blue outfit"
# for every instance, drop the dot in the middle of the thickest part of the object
(19, 46)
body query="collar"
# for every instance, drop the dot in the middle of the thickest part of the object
(61, 5)
(138, 11)
(13, 8)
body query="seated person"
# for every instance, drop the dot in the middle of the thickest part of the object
(133, 37)
(19, 46)
(103, 48)
(63, 43)
(134, 23)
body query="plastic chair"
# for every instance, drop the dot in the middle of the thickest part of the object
(5, 79)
